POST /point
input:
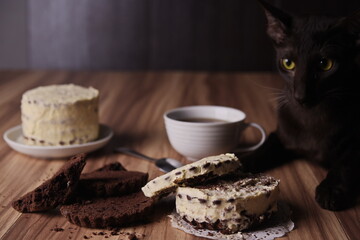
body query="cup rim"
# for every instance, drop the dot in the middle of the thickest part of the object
(184, 108)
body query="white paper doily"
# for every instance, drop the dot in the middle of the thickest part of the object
(277, 226)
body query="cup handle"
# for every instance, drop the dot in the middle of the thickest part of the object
(256, 146)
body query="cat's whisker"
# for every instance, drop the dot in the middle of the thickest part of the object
(276, 95)
(280, 100)
(277, 98)
(281, 103)
(272, 94)
(268, 88)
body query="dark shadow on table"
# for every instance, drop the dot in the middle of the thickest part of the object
(125, 139)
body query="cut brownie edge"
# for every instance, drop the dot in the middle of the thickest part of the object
(57, 190)
(110, 183)
(109, 212)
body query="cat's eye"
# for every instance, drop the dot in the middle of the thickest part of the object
(287, 64)
(326, 64)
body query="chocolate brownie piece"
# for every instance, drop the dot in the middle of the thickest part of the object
(110, 212)
(110, 183)
(116, 166)
(57, 190)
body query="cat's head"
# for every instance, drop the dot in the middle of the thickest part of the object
(317, 55)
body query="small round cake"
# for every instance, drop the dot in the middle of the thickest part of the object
(60, 115)
(230, 204)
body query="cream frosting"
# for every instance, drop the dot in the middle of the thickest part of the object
(60, 115)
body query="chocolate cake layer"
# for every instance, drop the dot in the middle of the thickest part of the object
(106, 183)
(109, 212)
(57, 190)
(221, 225)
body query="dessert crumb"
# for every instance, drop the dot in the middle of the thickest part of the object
(57, 229)
(114, 233)
(132, 236)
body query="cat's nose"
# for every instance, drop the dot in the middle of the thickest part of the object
(299, 93)
(300, 99)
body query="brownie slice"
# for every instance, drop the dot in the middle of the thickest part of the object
(110, 212)
(110, 183)
(57, 190)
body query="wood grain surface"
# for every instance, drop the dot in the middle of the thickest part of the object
(132, 104)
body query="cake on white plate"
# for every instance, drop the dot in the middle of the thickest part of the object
(57, 115)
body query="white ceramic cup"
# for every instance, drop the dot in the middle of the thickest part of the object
(193, 134)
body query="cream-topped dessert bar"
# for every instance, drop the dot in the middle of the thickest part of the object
(190, 174)
(230, 204)
(60, 115)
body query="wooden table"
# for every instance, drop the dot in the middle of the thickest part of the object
(132, 104)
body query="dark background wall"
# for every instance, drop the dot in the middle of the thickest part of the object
(144, 34)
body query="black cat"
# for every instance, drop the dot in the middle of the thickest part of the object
(319, 110)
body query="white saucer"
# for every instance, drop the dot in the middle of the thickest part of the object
(13, 138)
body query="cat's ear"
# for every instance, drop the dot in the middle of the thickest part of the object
(352, 25)
(279, 22)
